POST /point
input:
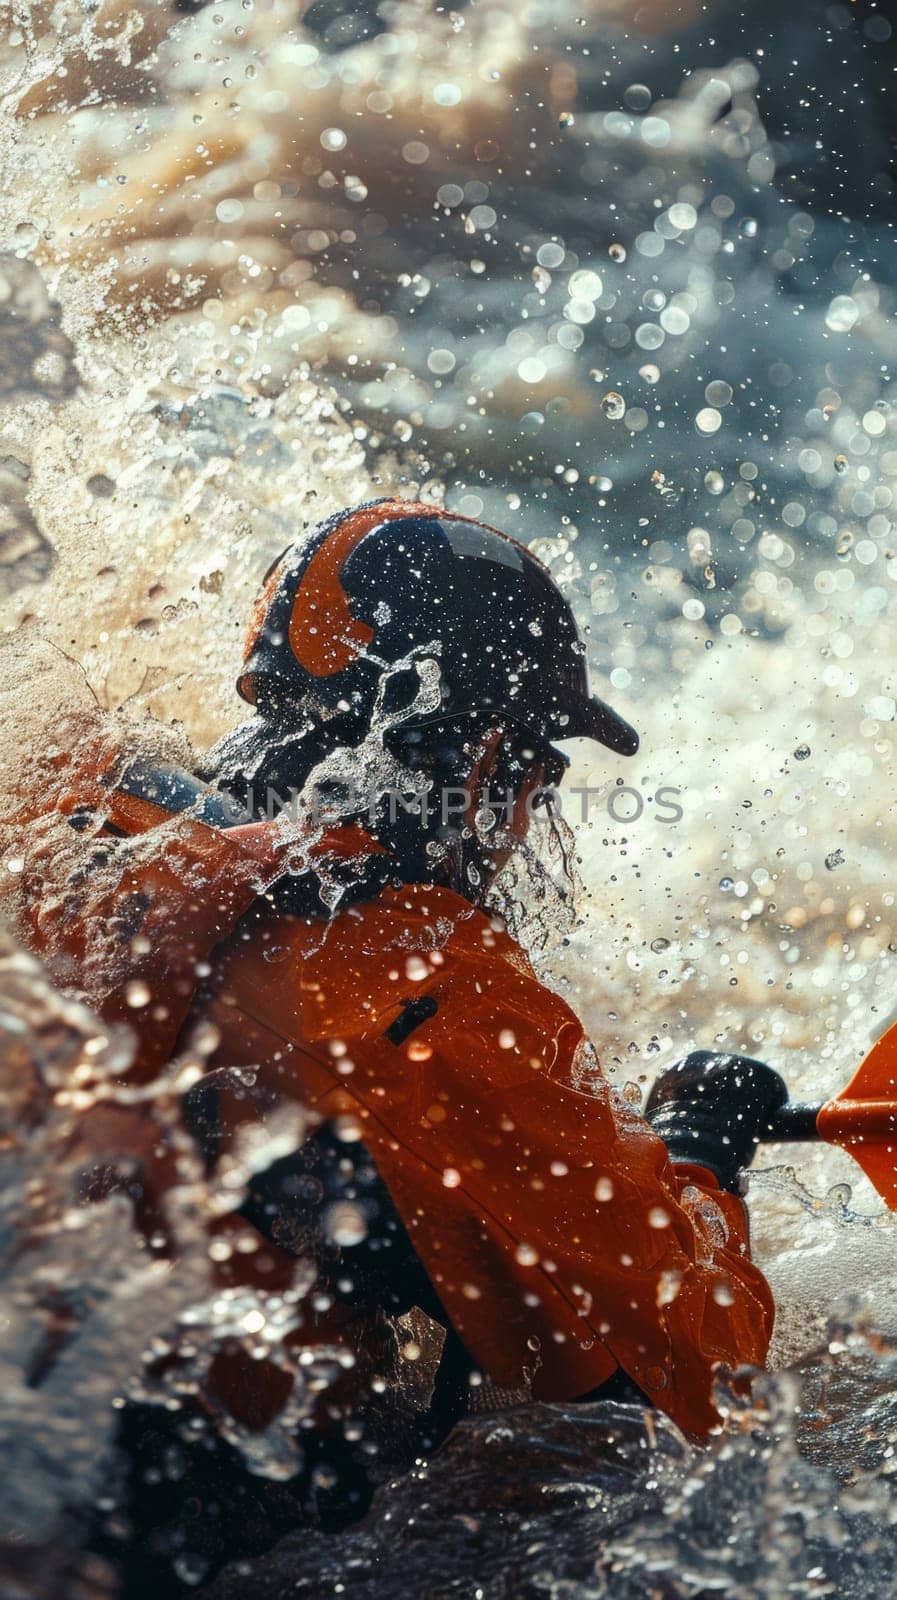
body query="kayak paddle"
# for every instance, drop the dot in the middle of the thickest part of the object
(862, 1119)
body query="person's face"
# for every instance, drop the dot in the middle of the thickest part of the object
(514, 760)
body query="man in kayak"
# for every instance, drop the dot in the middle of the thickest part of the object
(415, 669)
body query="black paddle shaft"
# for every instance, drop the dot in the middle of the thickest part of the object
(792, 1125)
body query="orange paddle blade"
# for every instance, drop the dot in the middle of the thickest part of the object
(862, 1119)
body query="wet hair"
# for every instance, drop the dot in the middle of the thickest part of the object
(269, 762)
(530, 883)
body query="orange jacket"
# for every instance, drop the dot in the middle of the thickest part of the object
(560, 1238)
(127, 920)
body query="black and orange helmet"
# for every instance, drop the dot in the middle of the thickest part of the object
(347, 619)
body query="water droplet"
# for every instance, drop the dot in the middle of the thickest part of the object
(637, 96)
(190, 1568)
(718, 393)
(613, 405)
(101, 487)
(345, 1224)
(668, 1287)
(842, 314)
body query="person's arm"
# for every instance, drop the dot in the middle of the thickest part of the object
(554, 1226)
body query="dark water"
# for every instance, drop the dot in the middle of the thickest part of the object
(598, 1500)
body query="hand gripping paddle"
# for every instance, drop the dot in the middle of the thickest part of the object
(862, 1119)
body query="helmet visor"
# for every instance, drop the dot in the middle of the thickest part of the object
(591, 718)
(580, 717)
